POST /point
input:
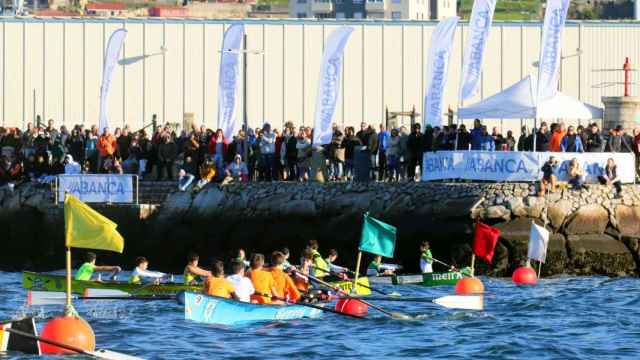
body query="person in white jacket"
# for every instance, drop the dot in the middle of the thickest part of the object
(71, 167)
(140, 274)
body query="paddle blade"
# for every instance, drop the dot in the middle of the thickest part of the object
(36, 298)
(464, 302)
(111, 355)
(96, 293)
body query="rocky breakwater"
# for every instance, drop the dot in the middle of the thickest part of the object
(592, 232)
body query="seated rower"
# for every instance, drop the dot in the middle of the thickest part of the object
(335, 269)
(217, 285)
(426, 259)
(192, 272)
(299, 279)
(285, 252)
(141, 273)
(262, 281)
(243, 286)
(242, 257)
(320, 266)
(85, 272)
(284, 286)
(377, 268)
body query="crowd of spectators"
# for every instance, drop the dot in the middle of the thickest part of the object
(200, 155)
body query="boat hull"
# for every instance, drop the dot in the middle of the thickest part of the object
(48, 282)
(430, 279)
(347, 286)
(214, 310)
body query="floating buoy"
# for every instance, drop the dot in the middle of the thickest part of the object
(524, 276)
(68, 330)
(469, 285)
(351, 307)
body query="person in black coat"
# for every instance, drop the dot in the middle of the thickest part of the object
(594, 140)
(543, 138)
(415, 148)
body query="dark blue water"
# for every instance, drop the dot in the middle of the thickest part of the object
(560, 318)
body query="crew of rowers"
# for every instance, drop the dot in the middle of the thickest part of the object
(251, 281)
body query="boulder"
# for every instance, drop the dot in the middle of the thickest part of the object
(304, 208)
(534, 207)
(516, 205)
(496, 212)
(454, 208)
(39, 200)
(589, 219)
(558, 212)
(628, 220)
(176, 205)
(207, 201)
(599, 254)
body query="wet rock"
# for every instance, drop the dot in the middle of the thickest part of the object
(558, 212)
(176, 205)
(589, 219)
(206, 201)
(304, 208)
(599, 254)
(628, 220)
(496, 212)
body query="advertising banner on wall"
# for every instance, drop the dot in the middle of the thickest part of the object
(99, 188)
(519, 166)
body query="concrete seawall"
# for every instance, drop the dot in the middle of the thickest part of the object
(593, 233)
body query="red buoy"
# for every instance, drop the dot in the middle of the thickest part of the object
(352, 307)
(68, 330)
(469, 285)
(524, 276)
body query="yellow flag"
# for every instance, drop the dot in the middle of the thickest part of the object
(86, 228)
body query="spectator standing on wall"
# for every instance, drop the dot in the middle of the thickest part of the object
(476, 134)
(75, 144)
(303, 146)
(557, 134)
(393, 156)
(486, 141)
(383, 147)
(571, 142)
(106, 146)
(464, 138)
(124, 143)
(404, 151)
(618, 141)
(594, 140)
(337, 154)
(167, 153)
(510, 141)
(415, 148)
(267, 152)
(349, 143)
(543, 138)
(498, 139)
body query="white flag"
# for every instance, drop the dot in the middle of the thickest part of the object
(229, 79)
(554, 19)
(329, 84)
(436, 73)
(538, 241)
(479, 26)
(110, 60)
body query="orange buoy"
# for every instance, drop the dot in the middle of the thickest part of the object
(68, 330)
(524, 276)
(351, 307)
(469, 285)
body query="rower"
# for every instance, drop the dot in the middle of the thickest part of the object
(141, 273)
(377, 268)
(300, 280)
(284, 286)
(262, 280)
(320, 266)
(335, 269)
(192, 272)
(217, 285)
(285, 252)
(426, 259)
(241, 256)
(243, 286)
(85, 272)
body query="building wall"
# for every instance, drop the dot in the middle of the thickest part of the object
(53, 67)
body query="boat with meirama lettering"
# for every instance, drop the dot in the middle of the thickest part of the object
(216, 310)
(426, 279)
(52, 282)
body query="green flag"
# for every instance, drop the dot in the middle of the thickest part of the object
(377, 237)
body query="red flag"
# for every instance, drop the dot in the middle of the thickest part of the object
(484, 241)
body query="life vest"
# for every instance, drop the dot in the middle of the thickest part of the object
(320, 266)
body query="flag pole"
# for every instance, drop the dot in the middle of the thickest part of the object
(355, 278)
(473, 264)
(68, 307)
(539, 268)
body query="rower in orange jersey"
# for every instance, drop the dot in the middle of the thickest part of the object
(262, 280)
(217, 285)
(284, 284)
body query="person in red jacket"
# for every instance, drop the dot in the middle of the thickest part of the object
(106, 146)
(218, 148)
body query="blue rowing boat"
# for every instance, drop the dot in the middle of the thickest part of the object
(215, 310)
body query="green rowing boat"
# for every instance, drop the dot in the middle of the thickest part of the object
(430, 279)
(50, 282)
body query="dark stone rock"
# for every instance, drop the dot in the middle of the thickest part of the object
(599, 254)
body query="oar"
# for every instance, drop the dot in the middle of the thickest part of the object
(396, 315)
(51, 298)
(99, 354)
(322, 308)
(359, 284)
(463, 302)
(443, 263)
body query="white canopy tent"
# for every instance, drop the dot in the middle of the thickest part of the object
(518, 102)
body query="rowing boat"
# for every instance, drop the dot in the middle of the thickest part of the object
(426, 279)
(11, 342)
(215, 310)
(49, 282)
